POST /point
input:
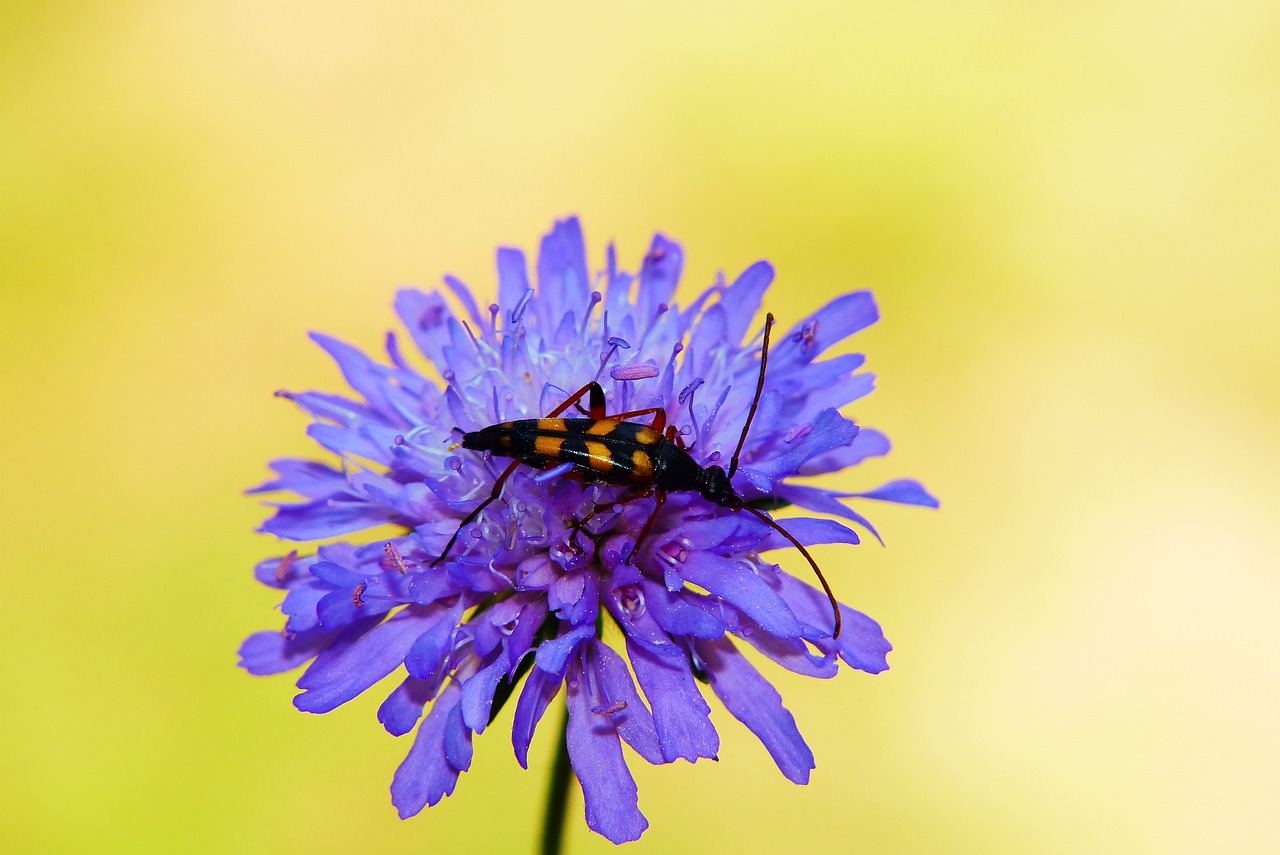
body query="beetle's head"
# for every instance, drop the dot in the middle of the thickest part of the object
(715, 487)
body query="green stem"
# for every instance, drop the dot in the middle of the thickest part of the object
(557, 796)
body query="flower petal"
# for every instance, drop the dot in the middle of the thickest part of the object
(677, 616)
(904, 492)
(754, 702)
(793, 653)
(620, 702)
(434, 643)
(861, 643)
(355, 442)
(465, 297)
(552, 655)
(341, 673)
(477, 694)
(338, 609)
(300, 605)
(810, 531)
(830, 430)
(563, 283)
(539, 689)
(659, 275)
(513, 278)
(629, 608)
(612, 801)
(283, 572)
(680, 714)
(741, 300)
(734, 582)
(457, 738)
(403, 707)
(276, 652)
(825, 502)
(426, 317)
(371, 380)
(834, 322)
(425, 776)
(304, 477)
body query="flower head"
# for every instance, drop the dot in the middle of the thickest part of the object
(531, 598)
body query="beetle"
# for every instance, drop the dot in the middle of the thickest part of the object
(607, 449)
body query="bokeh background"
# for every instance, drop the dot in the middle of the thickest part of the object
(1069, 213)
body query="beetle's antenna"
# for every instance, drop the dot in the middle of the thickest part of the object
(755, 402)
(831, 597)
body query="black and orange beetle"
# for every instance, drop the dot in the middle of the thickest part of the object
(607, 449)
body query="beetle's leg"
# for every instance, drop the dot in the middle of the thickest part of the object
(601, 508)
(659, 497)
(580, 525)
(597, 401)
(673, 434)
(659, 416)
(470, 518)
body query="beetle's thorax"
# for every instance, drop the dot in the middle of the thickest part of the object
(715, 487)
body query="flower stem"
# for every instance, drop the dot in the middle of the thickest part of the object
(557, 796)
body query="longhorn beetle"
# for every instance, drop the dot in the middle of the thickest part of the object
(606, 449)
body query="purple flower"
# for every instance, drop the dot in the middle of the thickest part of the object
(521, 607)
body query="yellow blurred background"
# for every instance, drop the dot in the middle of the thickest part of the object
(1068, 212)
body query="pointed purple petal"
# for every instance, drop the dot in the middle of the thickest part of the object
(324, 519)
(337, 677)
(861, 643)
(794, 654)
(358, 442)
(552, 655)
(539, 689)
(621, 703)
(300, 605)
(810, 532)
(753, 701)
(629, 608)
(464, 295)
(562, 269)
(338, 609)
(275, 652)
(825, 502)
(659, 275)
(457, 739)
(513, 278)
(612, 801)
(680, 713)
(425, 776)
(403, 707)
(741, 300)
(834, 322)
(735, 583)
(305, 477)
(520, 641)
(830, 430)
(285, 571)
(677, 616)
(371, 380)
(904, 492)
(477, 694)
(426, 317)
(711, 333)
(434, 642)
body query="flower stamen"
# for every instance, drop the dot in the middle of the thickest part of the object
(394, 558)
